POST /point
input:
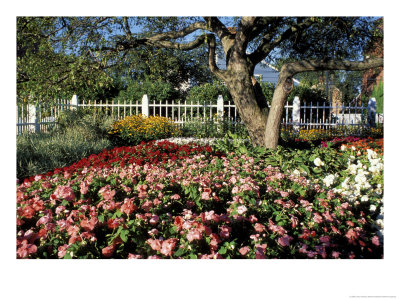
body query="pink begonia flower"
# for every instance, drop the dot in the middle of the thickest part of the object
(62, 250)
(284, 194)
(147, 205)
(335, 254)
(128, 207)
(259, 227)
(89, 236)
(154, 244)
(154, 231)
(260, 251)
(235, 189)
(253, 219)
(327, 216)
(154, 220)
(89, 225)
(317, 218)
(375, 240)
(175, 197)
(84, 187)
(156, 202)
(205, 196)
(303, 249)
(168, 246)
(43, 220)
(134, 256)
(64, 192)
(324, 239)
(194, 234)
(276, 228)
(244, 250)
(285, 240)
(25, 249)
(295, 221)
(108, 251)
(224, 231)
(255, 237)
(153, 257)
(241, 209)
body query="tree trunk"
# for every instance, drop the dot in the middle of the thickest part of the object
(281, 93)
(253, 116)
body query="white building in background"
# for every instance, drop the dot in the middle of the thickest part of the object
(264, 71)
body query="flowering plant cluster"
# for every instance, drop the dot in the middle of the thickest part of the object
(161, 200)
(133, 129)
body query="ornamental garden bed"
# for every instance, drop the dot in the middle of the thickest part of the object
(170, 201)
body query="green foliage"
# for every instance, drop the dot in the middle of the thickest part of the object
(209, 128)
(208, 92)
(307, 95)
(77, 136)
(155, 90)
(268, 90)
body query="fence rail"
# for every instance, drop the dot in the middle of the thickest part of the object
(40, 117)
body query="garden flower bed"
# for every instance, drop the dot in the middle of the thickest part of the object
(162, 200)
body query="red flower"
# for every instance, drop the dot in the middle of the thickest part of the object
(28, 212)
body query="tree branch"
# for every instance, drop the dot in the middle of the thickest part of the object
(291, 69)
(267, 44)
(211, 58)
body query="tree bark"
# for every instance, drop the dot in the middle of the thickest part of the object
(272, 128)
(252, 115)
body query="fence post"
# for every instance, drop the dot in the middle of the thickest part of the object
(74, 102)
(296, 113)
(145, 105)
(220, 107)
(371, 112)
(33, 117)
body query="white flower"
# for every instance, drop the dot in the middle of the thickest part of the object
(343, 148)
(352, 169)
(296, 173)
(364, 198)
(330, 179)
(371, 154)
(372, 208)
(379, 223)
(353, 148)
(345, 183)
(318, 162)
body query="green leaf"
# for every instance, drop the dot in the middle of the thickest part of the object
(222, 250)
(124, 235)
(193, 256)
(179, 252)
(100, 218)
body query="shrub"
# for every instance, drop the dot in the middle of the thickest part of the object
(157, 90)
(134, 129)
(208, 92)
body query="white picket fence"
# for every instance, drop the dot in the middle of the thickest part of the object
(40, 117)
